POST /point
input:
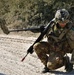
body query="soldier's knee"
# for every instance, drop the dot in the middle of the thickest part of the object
(41, 47)
(36, 46)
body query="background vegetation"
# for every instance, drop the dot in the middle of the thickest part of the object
(24, 13)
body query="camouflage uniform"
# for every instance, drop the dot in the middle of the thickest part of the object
(52, 54)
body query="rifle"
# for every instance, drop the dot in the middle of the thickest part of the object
(30, 50)
(34, 29)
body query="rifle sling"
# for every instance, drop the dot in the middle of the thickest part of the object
(64, 32)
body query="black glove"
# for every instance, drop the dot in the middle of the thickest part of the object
(42, 28)
(30, 50)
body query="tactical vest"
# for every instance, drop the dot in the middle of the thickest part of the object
(58, 34)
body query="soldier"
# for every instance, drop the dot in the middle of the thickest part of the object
(3, 27)
(60, 41)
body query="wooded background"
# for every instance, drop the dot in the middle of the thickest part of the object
(24, 13)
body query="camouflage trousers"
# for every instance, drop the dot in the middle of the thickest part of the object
(49, 56)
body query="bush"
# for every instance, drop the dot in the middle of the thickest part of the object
(32, 12)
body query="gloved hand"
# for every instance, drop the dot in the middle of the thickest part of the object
(30, 50)
(42, 28)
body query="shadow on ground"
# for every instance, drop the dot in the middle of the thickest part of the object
(2, 74)
(60, 72)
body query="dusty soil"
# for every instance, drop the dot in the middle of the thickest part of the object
(13, 48)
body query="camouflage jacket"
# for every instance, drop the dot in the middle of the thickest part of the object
(56, 31)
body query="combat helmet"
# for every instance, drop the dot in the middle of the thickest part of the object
(62, 15)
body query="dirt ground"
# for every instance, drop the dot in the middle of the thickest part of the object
(13, 48)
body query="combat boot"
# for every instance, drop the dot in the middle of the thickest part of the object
(68, 64)
(45, 70)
